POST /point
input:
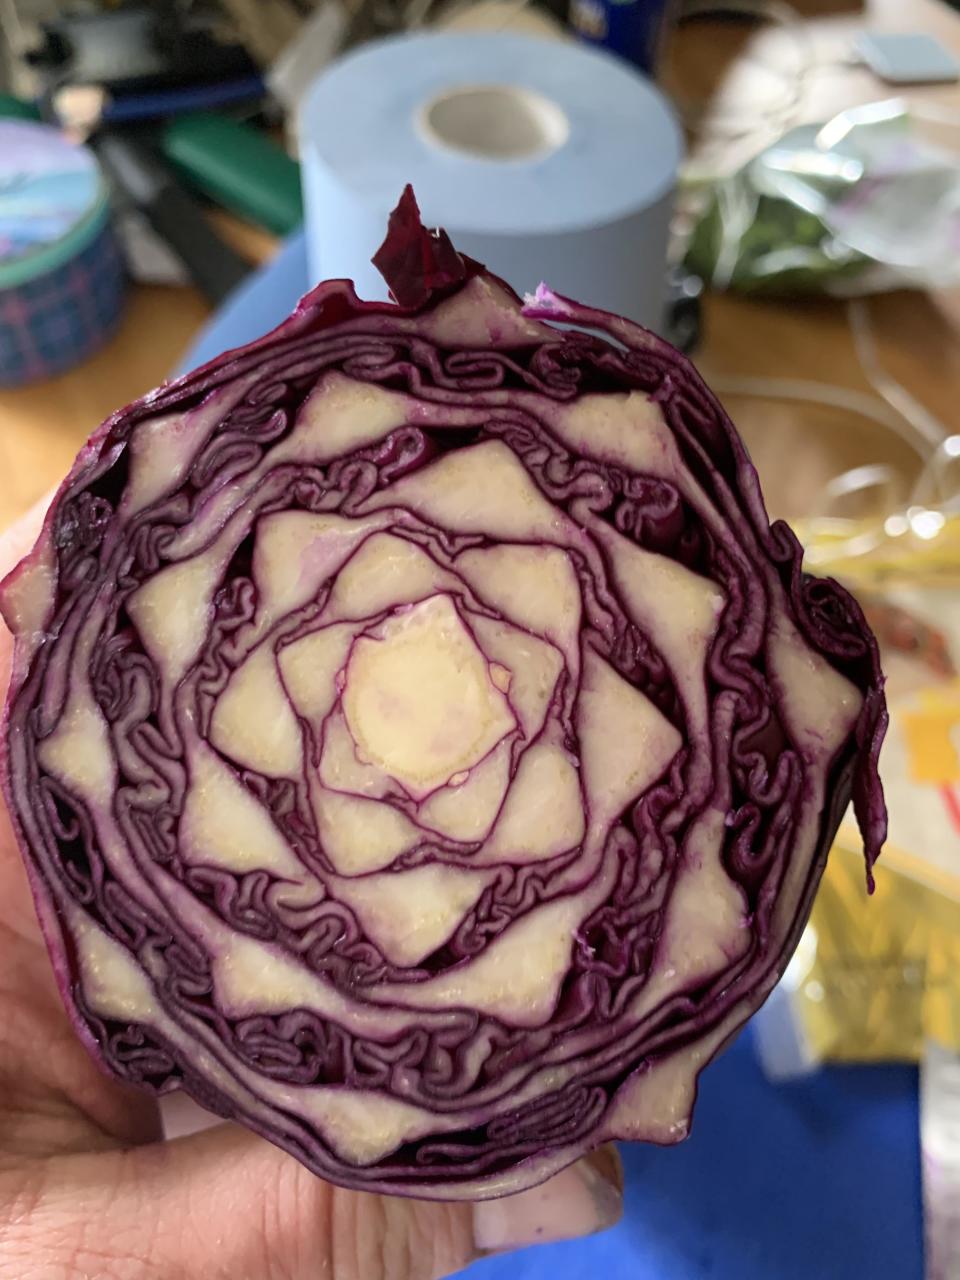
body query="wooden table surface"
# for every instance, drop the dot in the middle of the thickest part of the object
(729, 76)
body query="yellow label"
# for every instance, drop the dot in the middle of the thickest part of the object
(932, 735)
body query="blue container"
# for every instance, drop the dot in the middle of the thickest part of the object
(62, 282)
(634, 29)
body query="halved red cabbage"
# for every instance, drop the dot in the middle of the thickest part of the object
(423, 749)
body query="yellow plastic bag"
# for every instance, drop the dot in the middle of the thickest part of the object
(874, 979)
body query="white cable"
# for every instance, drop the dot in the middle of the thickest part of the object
(896, 409)
(926, 425)
(810, 392)
(935, 461)
(944, 457)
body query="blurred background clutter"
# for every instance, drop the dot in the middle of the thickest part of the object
(775, 187)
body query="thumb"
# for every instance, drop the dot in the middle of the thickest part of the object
(223, 1203)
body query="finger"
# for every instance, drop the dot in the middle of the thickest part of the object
(224, 1203)
(15, 542)
(585, 1198)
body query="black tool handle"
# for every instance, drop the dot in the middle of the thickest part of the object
(176, 217)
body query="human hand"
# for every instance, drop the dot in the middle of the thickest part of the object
(88, 1187)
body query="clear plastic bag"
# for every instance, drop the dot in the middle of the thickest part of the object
(868, 201)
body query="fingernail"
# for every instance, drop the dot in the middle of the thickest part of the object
(584, 1199)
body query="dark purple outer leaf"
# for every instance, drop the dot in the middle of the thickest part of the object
(414, 261)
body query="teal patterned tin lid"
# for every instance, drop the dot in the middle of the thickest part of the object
(53, 200)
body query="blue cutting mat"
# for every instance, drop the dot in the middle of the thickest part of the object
(814, 1180)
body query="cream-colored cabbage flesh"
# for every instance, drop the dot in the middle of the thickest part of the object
(421, 700)
(360, 1125)
(253, 722)
(163, 449)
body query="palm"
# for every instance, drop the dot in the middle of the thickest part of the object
(54, 1097)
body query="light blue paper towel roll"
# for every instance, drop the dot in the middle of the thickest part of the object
(544, 160)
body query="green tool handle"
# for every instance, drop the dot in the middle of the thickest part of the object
(238, 167)
(12, 108)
